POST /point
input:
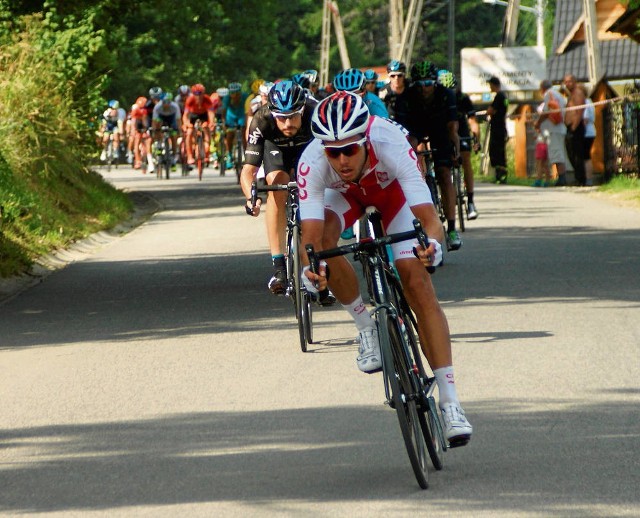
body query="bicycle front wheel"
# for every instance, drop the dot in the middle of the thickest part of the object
(459, 188)
(299, 296)
(200, 155)
(427, 411)
(397, 374)
(239, 156)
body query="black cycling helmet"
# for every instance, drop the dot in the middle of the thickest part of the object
(396, 66)
(286, 97)
(424, 70)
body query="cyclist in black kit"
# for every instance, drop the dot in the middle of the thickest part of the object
(279, 132)
(469, 133)
(433, 113)
(395, 94)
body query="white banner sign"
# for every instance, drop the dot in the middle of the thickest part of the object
(518, 68)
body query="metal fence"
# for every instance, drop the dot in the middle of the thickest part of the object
(621, 129)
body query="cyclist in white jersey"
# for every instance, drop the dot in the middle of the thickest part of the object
(355, 161)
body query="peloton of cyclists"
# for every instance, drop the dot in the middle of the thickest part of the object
(357, 160)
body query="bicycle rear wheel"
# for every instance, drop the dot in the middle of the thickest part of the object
(239, 156)
(398, 376)
(222, 154)
(459, 188)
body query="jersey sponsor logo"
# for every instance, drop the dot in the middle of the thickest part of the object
(382, 176)
(254, 136)
(340, 186)
(303, 171)
(256, 153)
(274, 152)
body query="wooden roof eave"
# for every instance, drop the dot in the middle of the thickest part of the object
(570, 35)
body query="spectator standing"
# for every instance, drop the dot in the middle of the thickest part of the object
(589, 119)
(498, 130)
(551, 120)
(573, 119)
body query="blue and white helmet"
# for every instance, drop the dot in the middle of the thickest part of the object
(340, 116)
(286, 97)
(349, 80)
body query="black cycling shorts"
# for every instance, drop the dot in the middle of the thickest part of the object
(275, 158)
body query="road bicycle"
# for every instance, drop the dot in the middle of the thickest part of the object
(461, 194)
(296, 291)
(428, 167)
(409, 389)
(237, 152)
(111, 152)
(221, 146)
(163, 152)
(199, 147)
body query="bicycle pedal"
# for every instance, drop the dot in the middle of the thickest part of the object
(457, 442)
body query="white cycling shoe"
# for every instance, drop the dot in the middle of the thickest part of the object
(457, 429)
(369, 358)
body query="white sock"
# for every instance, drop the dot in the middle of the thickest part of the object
(446, 385)
(360, 315)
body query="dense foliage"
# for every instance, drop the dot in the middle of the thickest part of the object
(127, 47)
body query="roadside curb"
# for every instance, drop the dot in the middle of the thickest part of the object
(145, 206)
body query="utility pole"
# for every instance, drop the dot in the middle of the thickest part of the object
(510, 26)
(396, 27)
(452, 33)
(325, 43)
(592, 44)
(409, 32)
(330, 10)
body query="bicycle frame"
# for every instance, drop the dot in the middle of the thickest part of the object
(408, 389)
(295, 290)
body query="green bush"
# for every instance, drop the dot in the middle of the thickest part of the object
(49, 197)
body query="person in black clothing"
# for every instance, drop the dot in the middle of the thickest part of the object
(394, 94)
(279, 132)
(498, 130)
(433, 114)
(469, 135)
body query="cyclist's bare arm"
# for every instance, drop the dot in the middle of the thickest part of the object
(312, 231)
(430, 221)
(247, 176)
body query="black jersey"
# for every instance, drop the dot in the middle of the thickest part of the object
(431, 117)
(397, 104)
(465, 110)
(263, 128)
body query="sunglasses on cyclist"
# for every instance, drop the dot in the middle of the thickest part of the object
(426, 82)
(286, 116)
(348, 150)
(393, 76)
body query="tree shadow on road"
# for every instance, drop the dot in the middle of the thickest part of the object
(352, 454)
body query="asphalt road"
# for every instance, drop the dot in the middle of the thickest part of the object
(156, 376)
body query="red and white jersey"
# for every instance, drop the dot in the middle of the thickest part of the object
(392, 180)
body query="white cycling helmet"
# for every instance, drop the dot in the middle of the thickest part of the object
(340, 116)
